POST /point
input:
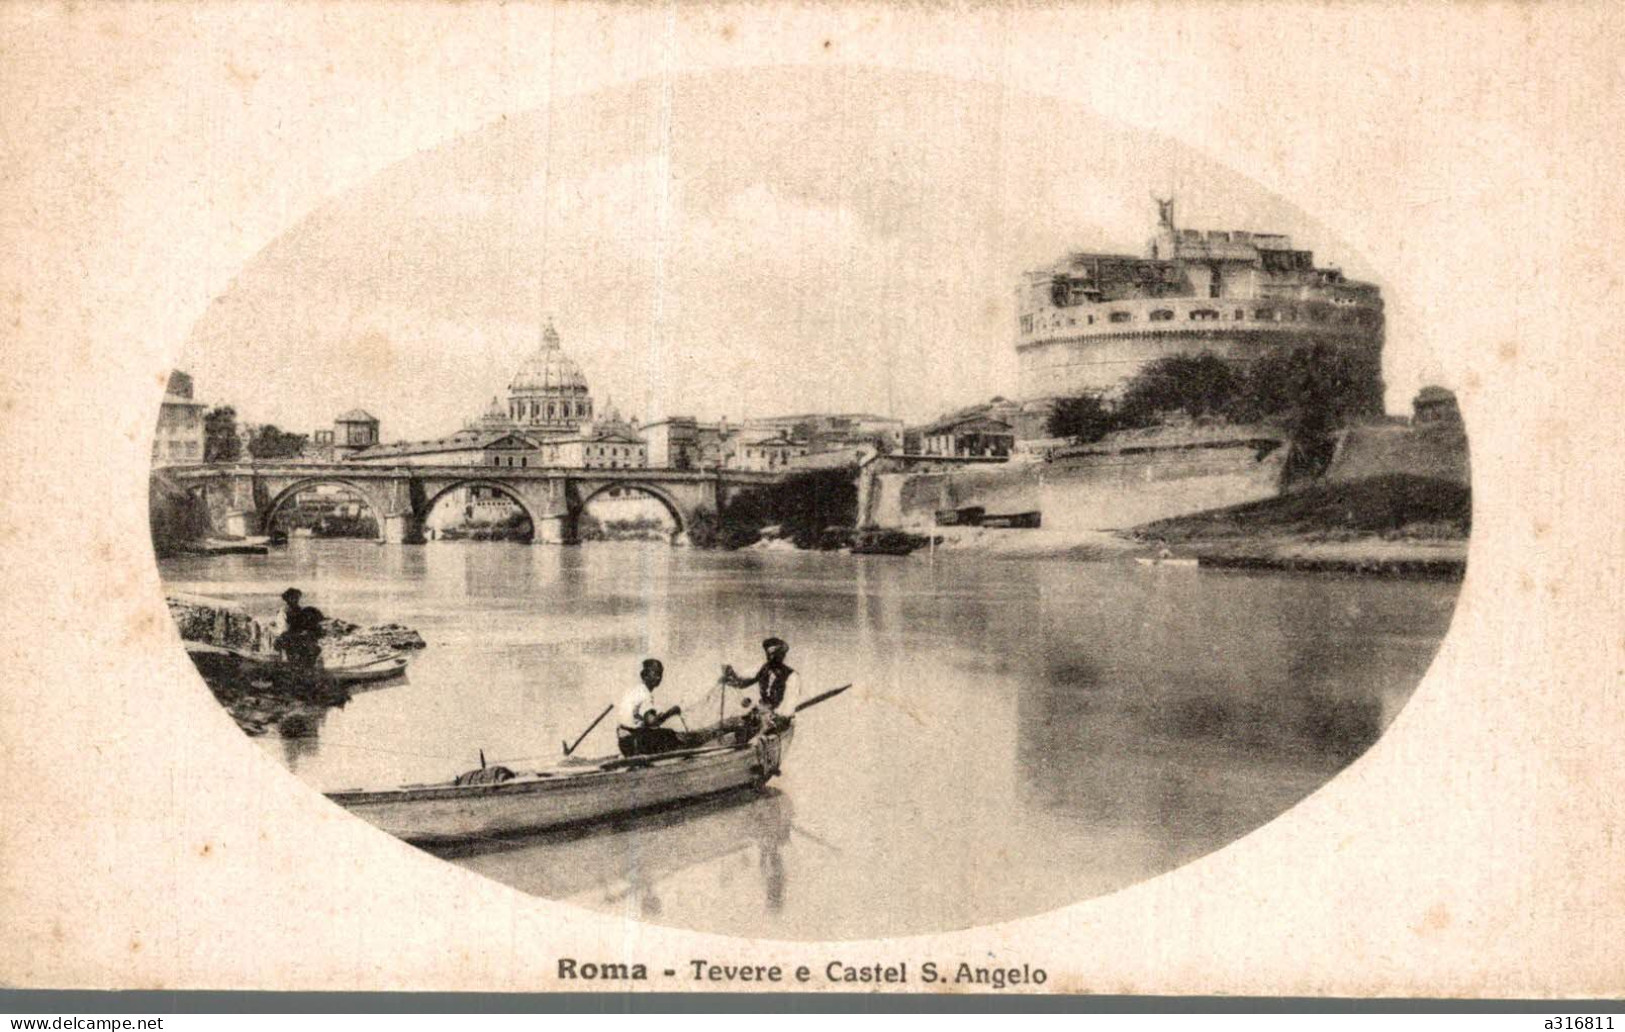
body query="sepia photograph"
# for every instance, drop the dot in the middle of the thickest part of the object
(526, 498)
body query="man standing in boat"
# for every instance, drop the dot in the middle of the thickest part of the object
(300, 640)
(772, 680)
(640, 733)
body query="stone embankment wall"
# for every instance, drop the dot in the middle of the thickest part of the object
(1135, 478)
(1123, 481)
(911, 500)
(1114, 492)
(1437, 451)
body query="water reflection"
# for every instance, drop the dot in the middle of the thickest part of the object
(1022, 734)
(632, 863)
(298, 732)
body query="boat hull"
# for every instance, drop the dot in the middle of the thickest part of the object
(449, 813)
(362, 673)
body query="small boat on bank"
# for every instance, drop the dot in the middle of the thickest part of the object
(367, 672)
(888, 542)
(578, 792)
(219, 661)
(248, 546)
(1030, 520)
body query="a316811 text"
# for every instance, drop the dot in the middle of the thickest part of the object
(837, 972)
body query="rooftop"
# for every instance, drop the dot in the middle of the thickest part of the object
(465, 440)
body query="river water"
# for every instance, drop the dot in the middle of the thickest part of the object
(1022, 735)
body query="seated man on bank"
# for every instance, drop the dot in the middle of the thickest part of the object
(301, 639)
(640, 733)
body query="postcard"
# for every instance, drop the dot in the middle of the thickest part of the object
(1011, 499)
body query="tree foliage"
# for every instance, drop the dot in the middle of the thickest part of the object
(1196, 385)
(803, 505)
(1083, 419)
(220, 441)
(268, 442)
(1310, 392)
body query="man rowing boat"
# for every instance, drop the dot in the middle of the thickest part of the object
(640, 733)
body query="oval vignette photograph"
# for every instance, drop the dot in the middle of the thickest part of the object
(721, 503)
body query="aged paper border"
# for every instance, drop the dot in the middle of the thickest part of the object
(1471, 150)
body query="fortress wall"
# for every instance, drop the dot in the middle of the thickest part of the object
(1104, 364)
(912, 499)
(1089, 493)
(1438, 451)
(1114, 492)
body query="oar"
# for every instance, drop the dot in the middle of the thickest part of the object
(816, 699)
(570, 747)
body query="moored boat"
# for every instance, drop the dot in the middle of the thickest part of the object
(217, 662)
(507, 803)
(372, 670)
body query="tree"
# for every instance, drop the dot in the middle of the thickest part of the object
(220, 441)
(1083, 419)
(268, 442)
(1197, 385)
(1311, 392)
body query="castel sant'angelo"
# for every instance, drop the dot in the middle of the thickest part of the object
(1092, 320)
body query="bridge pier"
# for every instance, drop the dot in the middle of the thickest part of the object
(402, 528)
(554, 529)
(241, 523)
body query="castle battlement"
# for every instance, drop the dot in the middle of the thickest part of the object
(1091, 320)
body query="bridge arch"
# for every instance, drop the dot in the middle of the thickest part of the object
(679, 519)
(506, 490)
(298, 487)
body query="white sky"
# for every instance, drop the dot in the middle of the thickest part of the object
(748, 243)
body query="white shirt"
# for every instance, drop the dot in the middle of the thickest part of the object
(633, 705)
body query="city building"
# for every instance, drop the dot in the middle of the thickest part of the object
(464, 448)
(1092, 320)
(765, 453)
(609, 448)
(353, 432)
(834, 431)
(972, 435)
(683, 442)
(1435, 405)
(321, 447)
(179, 435)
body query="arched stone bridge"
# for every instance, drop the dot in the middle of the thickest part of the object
(244, 498)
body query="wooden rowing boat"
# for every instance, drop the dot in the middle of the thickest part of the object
(569, 794)
(219, 661)
(372, 670)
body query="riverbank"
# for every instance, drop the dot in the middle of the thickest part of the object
(255, 701)
(1394, 524)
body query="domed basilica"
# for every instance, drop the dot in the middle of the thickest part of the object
(549, 420)
(548, 394)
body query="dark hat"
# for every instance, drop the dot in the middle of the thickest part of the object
(292, 595)
(654, 664)
(774, 643)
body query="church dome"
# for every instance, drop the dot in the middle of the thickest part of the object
(549, 369)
